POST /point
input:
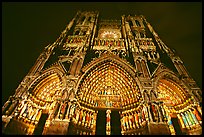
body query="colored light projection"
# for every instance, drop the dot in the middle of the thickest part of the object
(109, 86)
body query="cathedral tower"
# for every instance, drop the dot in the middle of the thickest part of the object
(106, 77)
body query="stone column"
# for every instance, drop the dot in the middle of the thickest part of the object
(160, 115)
(150, 116)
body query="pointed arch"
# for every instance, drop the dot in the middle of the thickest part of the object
(109, 78)
(170, 89)
(48, 86)
(109, 57)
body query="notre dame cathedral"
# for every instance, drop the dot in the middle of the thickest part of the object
(106, 77)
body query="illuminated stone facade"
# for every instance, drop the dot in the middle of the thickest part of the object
(105, 77)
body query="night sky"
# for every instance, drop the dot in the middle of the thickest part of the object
(28, 27)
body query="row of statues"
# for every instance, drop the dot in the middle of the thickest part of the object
(86, 118)
(134, 119)
(104, 42)
(75, 40)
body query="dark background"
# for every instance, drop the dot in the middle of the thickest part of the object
(28, 27)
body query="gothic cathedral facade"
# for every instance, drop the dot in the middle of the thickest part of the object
(108, 77)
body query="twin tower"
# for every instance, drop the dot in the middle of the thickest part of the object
(105, 77)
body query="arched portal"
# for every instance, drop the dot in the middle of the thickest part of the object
(108, 88)
(33, 110)
(44, 96)
(177, 105)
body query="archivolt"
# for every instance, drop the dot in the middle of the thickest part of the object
(48, 86)
(109, 80)
(170, 89)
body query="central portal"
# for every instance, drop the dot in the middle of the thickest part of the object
(108, 122)
(105, 91)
